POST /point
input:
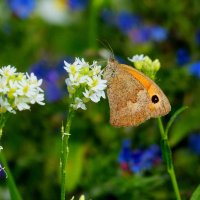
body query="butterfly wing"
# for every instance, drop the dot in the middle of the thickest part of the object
(128, 98)
(133, 97)
(159, 104)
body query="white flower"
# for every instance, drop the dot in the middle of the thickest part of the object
(21, 103)
(71, 68)
(18, 90)
(96, 83)
(26, 89)
(12, 88)
(82, 197)
(78, 103)
(38, 98)
(54, 11)
(84, 82)
(5, 106)
(3, 85)
(96, 69)
(137, 58)
(7, 71)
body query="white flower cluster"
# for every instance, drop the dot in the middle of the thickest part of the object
(18, 90)
(137, 58)
(84, 83)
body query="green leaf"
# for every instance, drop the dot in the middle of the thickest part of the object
(174, 116)
(196, 194)
(74, 165)
(187, 123)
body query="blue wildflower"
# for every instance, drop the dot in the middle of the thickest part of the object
(40, 69)
(138, 160)
(53, 92)
(125, 153)
(182, 56)
(126, 21)
(2, 173)
(22, 8)
(53, 83)
(194, 143)
(158, 33)
(194, 69)
(140, 34)
(77, 4)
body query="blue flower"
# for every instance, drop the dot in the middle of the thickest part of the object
(22, 8)
(125, 153)
(138, 160)
(194, 143)
(2, 173)
(194, 69)
(40, 69)
(140, 34)
(182, 56)
(77, 4)
(126, 21)
(53, 80)
(158, 33)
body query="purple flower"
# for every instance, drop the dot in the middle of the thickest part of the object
(77, 4)
(22, 8)
(194, 69)
(2, 173)
(182, 56)
(194, 143)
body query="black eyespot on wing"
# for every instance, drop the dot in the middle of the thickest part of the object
(154, 99)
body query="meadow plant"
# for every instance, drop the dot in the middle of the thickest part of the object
(84, 84)
(150, 68)
(18, 91)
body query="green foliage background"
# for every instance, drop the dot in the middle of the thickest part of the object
(31, 140)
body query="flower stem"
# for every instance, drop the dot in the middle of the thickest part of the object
(64, 152)
(167, 156)
(14, 193)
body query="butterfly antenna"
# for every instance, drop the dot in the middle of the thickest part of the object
(106, 44)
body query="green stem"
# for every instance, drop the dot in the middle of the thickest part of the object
(64, 152)
(162, 131)
(93, 23)
(167, 155)
(14, 193)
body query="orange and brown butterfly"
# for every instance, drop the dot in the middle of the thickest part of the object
(133, 97)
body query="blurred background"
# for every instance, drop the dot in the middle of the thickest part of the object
(104, 162)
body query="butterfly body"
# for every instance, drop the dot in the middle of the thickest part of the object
(133, 97)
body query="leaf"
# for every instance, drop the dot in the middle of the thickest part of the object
(174, 116)
(185, 125)
(196, 194)
(74, 165)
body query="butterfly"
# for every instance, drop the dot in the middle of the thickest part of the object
(133, 97)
